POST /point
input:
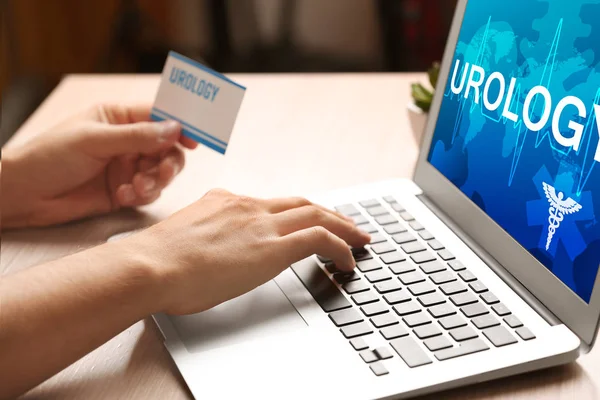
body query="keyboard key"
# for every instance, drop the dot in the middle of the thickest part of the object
(393, 332)
(432, 266)
(348, 210)
(386, 219)
(452, 288)
(485, 321)
(462, 299)
(359, 219)
(416, 225)
(398, 207)
(478, 287)
(323, 290)
(383, 320)
(410, 351)
(431, 299)
(388, 286)
(404, 237)
(422, 257)
(377, 238)
(435, 245)
(445, 255)
(369, 203)
(370, 228)
(355, 330)
(323, 259)
(364, 298)
(499, 336)
(442, 277)
(394, 229)
(383, 353)
(406, 216)
(411, 277)
(378, 368)
(419, 289)
(413, 247)
(437, 343)
(392, 257)
(489, 298)
(426, 235)
(467, 276)
(427, 331)
(361, 254)
(406, 308)
(355, 287)
(368, 356)
(453, 321)
(389, 199)
(368, 265)
(513, 321)
(464, 333)
(381, 248)
(525, 333)
(378, 276)
(342, 277)
(464, 348)
(416, 319)
(442, 310)
(374, 309)
(377, 211)
(474, 310)
(397, 297)
(345, 317)
(500, 309)
(359, 344)
(331, 268)
(456, 265)
(402, 268)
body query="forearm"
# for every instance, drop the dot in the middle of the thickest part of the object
(53, 314)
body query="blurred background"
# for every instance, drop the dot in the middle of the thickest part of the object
(43, 40)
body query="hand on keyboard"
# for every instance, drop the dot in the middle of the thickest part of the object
(225, 245)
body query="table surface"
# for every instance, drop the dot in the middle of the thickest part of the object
(324, 131)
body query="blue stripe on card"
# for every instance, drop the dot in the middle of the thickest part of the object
(190, 127)
(204, 68)
(187, 132)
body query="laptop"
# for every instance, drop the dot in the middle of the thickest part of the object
(484, 265)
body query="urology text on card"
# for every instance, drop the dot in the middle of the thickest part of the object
(205, 102)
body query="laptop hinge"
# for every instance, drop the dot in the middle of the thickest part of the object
(508, 278)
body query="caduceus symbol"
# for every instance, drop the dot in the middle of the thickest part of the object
(559, 207)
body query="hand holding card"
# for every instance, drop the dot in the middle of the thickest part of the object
(205, 102)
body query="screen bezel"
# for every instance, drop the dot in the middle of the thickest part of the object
(580, 317)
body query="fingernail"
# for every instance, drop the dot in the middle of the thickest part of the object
(148, 183)
(128, 194)
(167, 130)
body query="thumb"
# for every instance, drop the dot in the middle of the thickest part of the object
(140, 137)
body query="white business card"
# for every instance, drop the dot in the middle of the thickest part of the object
(205, 102)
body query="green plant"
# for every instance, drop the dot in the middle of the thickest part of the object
(423, 96)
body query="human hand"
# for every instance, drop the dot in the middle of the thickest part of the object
(225, 245)
(101, 160)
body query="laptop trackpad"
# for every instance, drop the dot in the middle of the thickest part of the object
(263, 311)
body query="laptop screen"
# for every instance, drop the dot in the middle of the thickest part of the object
(519, 127)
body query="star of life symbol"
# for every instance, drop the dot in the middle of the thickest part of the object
(559, 207)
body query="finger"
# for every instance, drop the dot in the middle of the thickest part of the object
(147, 163)
(160, 176)
(310, 216)
(317, 240)
(188, 143)
(278, 205)
(146, 138)
(125, 114)
(127, 197)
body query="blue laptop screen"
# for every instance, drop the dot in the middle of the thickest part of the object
(519, 127)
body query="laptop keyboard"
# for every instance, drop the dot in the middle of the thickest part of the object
(411, 290)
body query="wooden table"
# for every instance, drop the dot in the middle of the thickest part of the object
(295, 134)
